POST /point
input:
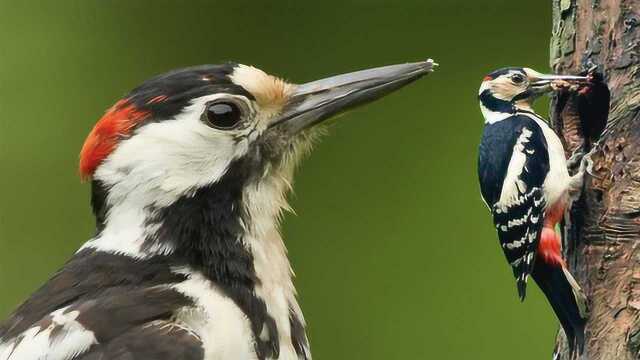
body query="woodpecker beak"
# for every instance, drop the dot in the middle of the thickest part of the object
(315, 101)
(541, 83)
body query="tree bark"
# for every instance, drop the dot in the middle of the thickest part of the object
(602, 239)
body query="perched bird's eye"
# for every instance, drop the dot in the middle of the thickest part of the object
(222, 115)
(517, 79)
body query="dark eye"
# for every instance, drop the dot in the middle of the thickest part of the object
(517, 78)
(223, 115)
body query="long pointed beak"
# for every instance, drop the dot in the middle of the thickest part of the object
(315, 101)
(536, 79)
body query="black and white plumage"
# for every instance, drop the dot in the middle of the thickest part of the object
(525, 183)
(189, 176)
(518, 210)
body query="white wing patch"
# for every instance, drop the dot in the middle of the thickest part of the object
(557, 180)
(63, 338)
(513, 185)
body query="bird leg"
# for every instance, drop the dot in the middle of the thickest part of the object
(584, 164)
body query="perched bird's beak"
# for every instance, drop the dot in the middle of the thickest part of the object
(315, 101)
(541, 83)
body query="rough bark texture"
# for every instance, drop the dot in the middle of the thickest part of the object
(603, 240)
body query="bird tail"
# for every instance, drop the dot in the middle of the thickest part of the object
(567, 300)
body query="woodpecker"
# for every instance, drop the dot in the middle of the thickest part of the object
(525, 183)
(189, 174)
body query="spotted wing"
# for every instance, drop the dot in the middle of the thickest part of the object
(512, 186)
(102, 306)
(519, 231)
(138, 325)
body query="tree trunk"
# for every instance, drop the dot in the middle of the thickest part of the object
(603, 236)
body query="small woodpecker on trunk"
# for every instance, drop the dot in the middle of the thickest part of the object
(525, 183)
(189, 175)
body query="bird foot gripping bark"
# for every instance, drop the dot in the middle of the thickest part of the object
(584, 162)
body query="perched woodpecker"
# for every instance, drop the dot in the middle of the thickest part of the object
(525, 183)
(189, 176)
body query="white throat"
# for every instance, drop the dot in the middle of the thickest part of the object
(265, 201)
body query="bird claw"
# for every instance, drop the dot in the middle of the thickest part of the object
(581, 160)
(586, 167)
(576, 160)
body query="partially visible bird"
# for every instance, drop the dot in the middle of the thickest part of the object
(593, 107)
(189, 175)
(525, 183)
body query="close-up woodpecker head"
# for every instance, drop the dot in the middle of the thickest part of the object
(512, 88)
(190, 128)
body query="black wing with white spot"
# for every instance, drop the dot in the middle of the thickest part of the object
(138, 324)
(512, 167)
(102, 306)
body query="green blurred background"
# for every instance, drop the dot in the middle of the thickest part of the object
(393, 249)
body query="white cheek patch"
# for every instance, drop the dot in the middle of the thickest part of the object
(63, 338)
(501, 87)
(165, 160)
(160, 163)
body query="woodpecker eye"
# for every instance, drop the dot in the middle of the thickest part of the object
(517, 79)
(223, 115)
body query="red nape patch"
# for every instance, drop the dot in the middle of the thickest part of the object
(487, 78)
(115, 124)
